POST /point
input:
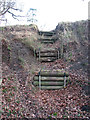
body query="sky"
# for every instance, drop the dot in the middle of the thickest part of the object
(51, 12)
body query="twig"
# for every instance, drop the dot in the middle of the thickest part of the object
(14, 16)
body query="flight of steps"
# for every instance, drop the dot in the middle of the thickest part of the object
(47, 37)
(47, 55)
(48, 80)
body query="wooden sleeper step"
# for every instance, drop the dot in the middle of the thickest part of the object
(47, 42)
(46, 33)
(49, 83)
(51, 80)
(48, 58)
(51, 87)
(47, 51)
(50, 74)
(47, 39)
(47, 55)
(56, 79)
(42, 39)
(51, 59)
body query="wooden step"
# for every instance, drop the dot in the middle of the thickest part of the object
(43, 78)
(48, 55)
(47, 59)
(51, 87)
(47, 51)
(51, 42)
(45, 33)
(49, 83)
(53, 74)
(47, 39)
(51, 80)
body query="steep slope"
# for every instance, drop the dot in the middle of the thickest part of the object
(19, 96)
(74, 37)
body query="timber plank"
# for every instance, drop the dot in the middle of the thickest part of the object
(47, 55)
(43, 78)
(49, 83)
(47, 42)
(46, 33)
(47, 51)
(51, 87)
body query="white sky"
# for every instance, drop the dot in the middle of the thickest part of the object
(51, 12)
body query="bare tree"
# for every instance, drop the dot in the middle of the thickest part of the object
(6, 6)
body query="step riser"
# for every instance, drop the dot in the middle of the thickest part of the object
(52, 79)
(47, 56)
(47, 51)
(50, 35)
(47, 40)
(47, 75)
(46, 33)
(49, 83)
(51, 87)
(47, 60)
(53, 75)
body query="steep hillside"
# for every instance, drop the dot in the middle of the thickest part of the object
(20, 99)
(74, 37)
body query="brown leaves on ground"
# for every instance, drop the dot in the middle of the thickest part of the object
(19, 100)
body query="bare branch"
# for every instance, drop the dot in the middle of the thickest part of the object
(4, 11)
(15, 16)
(16, 9)
(6, 6)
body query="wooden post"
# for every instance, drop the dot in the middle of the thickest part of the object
(58, 53)
(64, 80)
(39, 54)
(61, 49)
(34, 53)
(39, 80)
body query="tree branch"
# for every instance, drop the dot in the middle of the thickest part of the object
(4, 11)
(15, 16)
(16, 9)
(5, 7)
